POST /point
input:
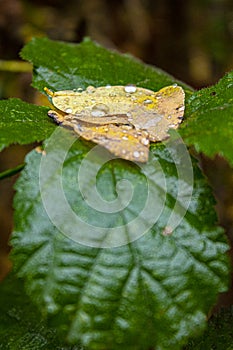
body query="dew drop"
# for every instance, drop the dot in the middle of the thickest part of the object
(98, 113)
(171, 125)
(136, 154)
(68, 110)
(108, 86)
(124, 138)
(99, 110)
(80, 89)
(181, 108)
(130, 89)
(175, 85)
(90, 89)
(145, 141)
(147, 102)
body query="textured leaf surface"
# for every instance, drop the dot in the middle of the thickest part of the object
(23, 123)
(155, 291)
(63, 66)
(209, 126)
(21, 326)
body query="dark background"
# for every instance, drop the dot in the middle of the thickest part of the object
(190, 39)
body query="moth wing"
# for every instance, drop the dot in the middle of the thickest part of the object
(124, 143)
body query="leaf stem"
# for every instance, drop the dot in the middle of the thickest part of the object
(15, 66)
(11, 172)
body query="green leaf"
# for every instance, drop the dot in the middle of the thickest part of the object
(65, 66)
(21, 326)
(23, 123)
(209, 126)
(152, 292)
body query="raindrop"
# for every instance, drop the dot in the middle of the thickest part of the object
(97, 113)
(130, 89)
(108, 86)
(90, 89)
(68, 110)
(171, 125)
(80, 89)
(147, 102)
(175, 85)
(181, 108)
(99, 110)
(124, 138)
(136, 154)
(145, 141)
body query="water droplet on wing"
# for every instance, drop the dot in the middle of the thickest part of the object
(130, 89)
(99, 110)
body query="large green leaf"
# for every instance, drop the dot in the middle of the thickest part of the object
(154, 291)
(65, 66)
(23, 123)
(21, 326)
(209, 124)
